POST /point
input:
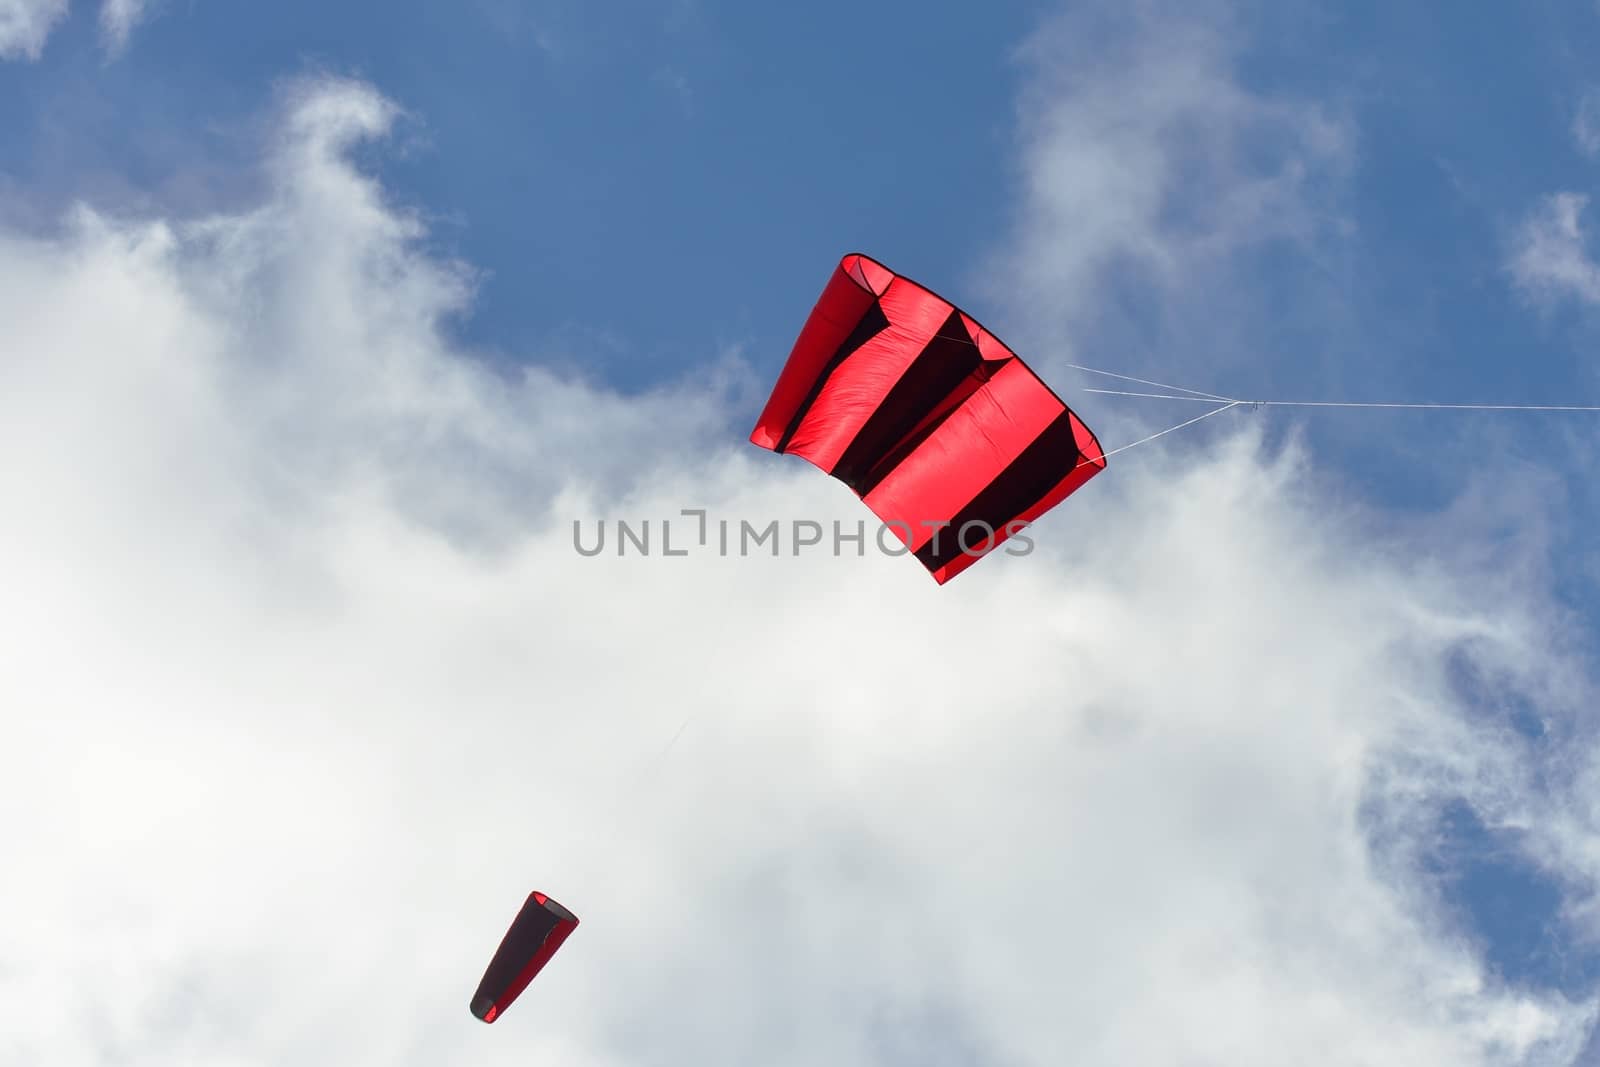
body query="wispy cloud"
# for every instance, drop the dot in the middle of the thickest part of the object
(676, 83)
(26, 24)
(1550, 258)
(1143, 157)
(117, 20)
(1586, 123)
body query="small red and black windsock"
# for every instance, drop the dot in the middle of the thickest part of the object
(535, 934)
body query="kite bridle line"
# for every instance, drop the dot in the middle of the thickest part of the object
(1170, 429)
(1194, 394)
(1225, 403)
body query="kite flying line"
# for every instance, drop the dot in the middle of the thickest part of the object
(1194, 394)
(1178, 392)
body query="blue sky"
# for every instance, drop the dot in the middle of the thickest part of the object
(1360, 201)
(750, 148)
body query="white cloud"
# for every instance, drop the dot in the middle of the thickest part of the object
(117, 20)
(1143, 156)
(313, 687)
(1550, 258)
(26, 24)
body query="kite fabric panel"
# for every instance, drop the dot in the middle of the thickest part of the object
(535, 934)
(941, 430)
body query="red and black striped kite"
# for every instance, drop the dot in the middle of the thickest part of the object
(533, 938)
(941, 430)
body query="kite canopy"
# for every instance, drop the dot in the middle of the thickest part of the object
(941, 430)
(533, 938)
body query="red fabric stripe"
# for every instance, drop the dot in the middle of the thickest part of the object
(836, 313)
(966, 453)
(1093, 462)
(1069, 485)
(860, 384)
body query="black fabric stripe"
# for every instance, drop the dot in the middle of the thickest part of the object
(872, 323)
(947, 370)
(896, 456)
(1025, 481)
(528, 932)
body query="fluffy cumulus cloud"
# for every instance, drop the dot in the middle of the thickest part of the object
(26, 24)
(307, 686)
